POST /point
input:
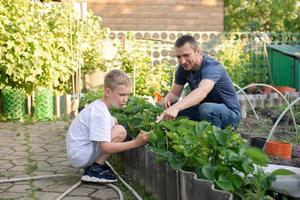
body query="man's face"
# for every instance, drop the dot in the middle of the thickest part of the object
(188, 57)
(119, 96)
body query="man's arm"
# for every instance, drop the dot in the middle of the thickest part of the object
(172, 96)
(193, 98)
(196, 96)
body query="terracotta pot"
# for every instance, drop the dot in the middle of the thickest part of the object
(252, 90)
(279, 149)
(285, 89)
(266, 90)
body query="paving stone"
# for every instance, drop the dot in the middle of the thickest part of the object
(39, 157)
(5, 186)
(19, 169)
(82, 191)
(9, 195)
(6, 165)
(105, 194)
(20, 188)
(19, 153)
(47, 145)
(76, 198)
(56, 160)
(42, 164)
(47, 195)
(20, 161)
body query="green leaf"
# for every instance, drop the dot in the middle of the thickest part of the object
(201, 126)
(208, 171)
(257, 156)
(179, 148)
(225, 183)
(220, 136)
(236, 180)
(248, 167)
(282, 172)
(176, 163)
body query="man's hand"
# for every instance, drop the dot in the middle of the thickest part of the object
(165, 102)
(169, 113)
(141, 139)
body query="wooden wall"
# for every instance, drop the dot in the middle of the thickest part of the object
(160, 15)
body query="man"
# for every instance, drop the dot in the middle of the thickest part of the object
(212, 97)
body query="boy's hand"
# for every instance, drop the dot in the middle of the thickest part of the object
(142, 138)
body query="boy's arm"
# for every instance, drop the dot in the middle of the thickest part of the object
(115, 147)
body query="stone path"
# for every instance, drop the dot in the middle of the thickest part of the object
(39, 149)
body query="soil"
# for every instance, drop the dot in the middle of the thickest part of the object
(285, 131)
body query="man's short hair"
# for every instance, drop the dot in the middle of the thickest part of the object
(116, 77)
(182, 40)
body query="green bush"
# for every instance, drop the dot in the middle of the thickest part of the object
(136, 61)
(236, 62)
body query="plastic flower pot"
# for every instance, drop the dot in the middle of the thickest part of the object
(279, 149)
(258, 142)
(285, 89)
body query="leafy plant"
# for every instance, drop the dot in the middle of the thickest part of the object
(40, 43)
(34, 48)
(268, 15)
(236, 62)
(93, 34)
(135, 60)
(221, 156)
(137, 115)
(89, 97)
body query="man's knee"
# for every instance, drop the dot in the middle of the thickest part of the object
(205, 110)
(119, 132)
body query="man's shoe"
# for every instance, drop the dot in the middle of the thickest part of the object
(96, 173)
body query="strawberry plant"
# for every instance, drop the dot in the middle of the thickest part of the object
(221, 156)
(137, 115)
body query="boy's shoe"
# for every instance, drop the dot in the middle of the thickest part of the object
(104, 166)
(98, 173)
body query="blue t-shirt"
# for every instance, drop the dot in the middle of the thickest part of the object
(223, 90)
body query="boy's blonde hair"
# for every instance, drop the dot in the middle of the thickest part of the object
(116, 77)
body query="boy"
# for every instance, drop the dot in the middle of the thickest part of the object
(94, 134)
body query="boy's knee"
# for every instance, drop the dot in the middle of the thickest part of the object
(121, 132)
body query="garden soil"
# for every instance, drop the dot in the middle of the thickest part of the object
(285, 131)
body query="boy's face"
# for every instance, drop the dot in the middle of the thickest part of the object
(119, 96)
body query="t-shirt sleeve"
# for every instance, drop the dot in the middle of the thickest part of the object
(180, 76)
(212, 72)
(100, 127)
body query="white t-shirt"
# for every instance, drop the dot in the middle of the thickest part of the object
(91, 125)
